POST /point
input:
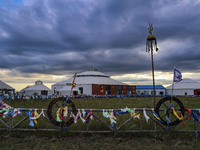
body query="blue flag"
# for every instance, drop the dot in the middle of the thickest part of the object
(177, 75)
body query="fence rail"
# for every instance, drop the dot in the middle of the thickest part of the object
(139, 125)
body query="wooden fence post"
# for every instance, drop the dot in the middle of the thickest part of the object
(10, 123)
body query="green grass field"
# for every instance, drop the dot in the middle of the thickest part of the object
(66, 140)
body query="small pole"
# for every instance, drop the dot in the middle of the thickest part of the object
(141, 120)
(115, 125)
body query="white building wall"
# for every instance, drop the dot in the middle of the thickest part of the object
(158, 91)
(180, 92)
(31, 92)
(150, 91)
(57, 87)
(65, 93)
(87, 88)
(50, 92)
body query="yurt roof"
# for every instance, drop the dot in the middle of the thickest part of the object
(92, 77)
(22, 90)
(185, 83)
(3, 85)
(38, 87)
(92, 73)
(68, 88)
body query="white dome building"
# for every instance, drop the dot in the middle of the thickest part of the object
(93, 82)
(66, 90)
(37, 89)
(6, 89)
(184, 87)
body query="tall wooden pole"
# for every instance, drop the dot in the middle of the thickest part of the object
(154, 92)
(151, 43)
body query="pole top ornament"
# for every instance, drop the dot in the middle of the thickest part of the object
(150, 28)
(151, 42)
(151, 36)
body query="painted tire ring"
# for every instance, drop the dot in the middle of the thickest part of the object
(53, 120)
(157, 109)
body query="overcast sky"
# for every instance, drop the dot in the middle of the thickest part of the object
(52, 39)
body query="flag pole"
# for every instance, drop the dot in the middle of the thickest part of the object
(172, 88)
(172, 91)
(154, 91)
(177, 78)
(72, 85)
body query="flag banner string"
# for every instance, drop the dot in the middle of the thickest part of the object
(62, 114)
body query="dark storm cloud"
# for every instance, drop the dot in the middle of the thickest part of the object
(41, 36)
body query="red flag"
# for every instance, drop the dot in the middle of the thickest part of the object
(73, 83)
